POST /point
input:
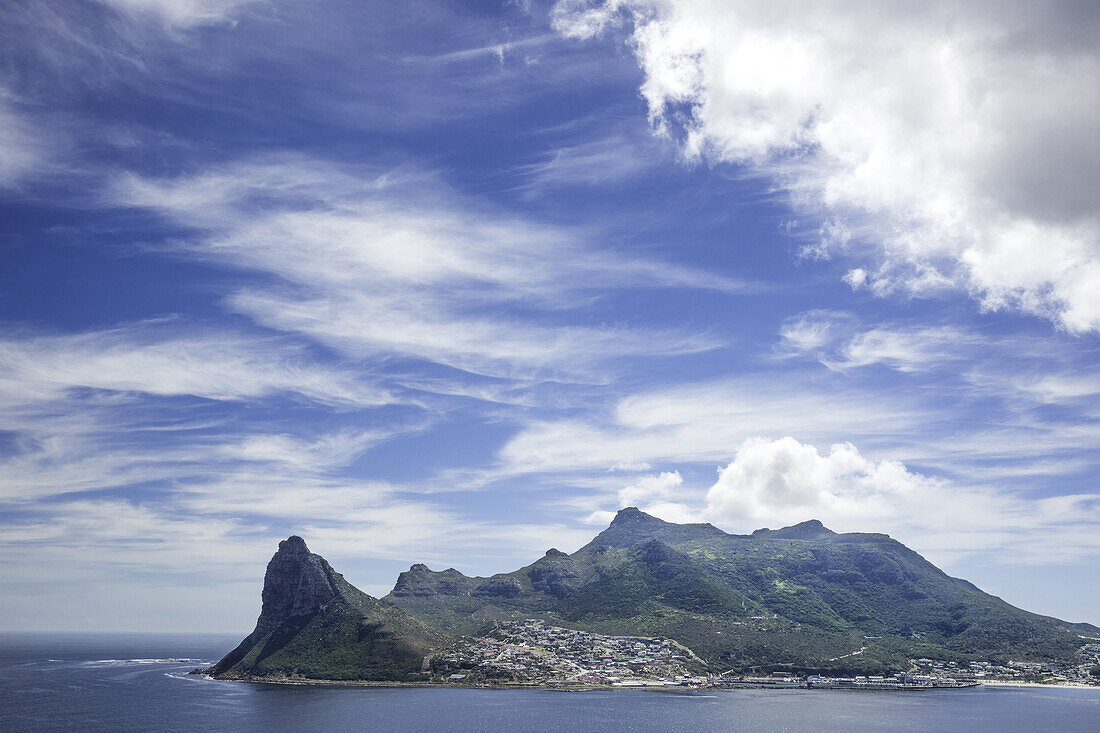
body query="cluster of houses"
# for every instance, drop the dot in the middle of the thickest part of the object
(900, 681)
(1077, 672)
(534, 652)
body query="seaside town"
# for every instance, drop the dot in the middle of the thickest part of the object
(1080, 672)
(530, 652)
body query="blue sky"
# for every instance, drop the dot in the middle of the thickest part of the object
(453, 282)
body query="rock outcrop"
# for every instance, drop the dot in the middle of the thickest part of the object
(420, 580)
(315, 625)
(556, 573)
(502, 587)
(297, 583)
(809, 530)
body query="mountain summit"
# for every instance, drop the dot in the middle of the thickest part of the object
(809, 530)
(297, 583)
(314, 624)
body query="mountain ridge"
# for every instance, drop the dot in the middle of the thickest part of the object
(798, 599)
(785, 592)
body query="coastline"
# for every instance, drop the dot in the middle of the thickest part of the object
(1060, 685)
(395, 683)
(578, 688)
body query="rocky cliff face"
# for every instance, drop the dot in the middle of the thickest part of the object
(420, 580)
(502, 586)
(808, 530)
(556, 573)
(315, 625)
(297, 583)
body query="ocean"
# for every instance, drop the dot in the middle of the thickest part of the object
(140, 683)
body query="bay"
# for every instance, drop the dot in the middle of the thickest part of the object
(69, 682)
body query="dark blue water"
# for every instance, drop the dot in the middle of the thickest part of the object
(125, 683)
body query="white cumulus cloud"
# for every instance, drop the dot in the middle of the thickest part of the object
(783, 481)
(649, 488)
(956, 145)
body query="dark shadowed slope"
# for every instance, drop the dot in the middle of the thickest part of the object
(316, 625)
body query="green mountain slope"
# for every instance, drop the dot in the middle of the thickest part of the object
(316, 625)
(799, 598)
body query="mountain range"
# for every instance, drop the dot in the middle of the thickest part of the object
(801, 599)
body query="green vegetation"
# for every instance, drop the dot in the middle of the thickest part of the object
(355, 637)
(800, 599)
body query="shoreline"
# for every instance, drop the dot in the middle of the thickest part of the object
(1061, 685)
(395, 683)
(582, 688)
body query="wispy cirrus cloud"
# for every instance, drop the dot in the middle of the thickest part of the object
(101, 452)
(157, 403)
(1038, 369)
(329, 451)
(24, 150)
(526, 47)
(393, 263)
(172, 358)
(402, 226)
(610, 160)
(183, 14)
(698, 422)
(813, 331)
(952, 401)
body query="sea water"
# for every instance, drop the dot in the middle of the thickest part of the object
(140, 683)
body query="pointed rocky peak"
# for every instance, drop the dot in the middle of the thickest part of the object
(809, 530)
(293, 545)
(297, 583)
(631, 526)
(555, 573)
(420, 580)
(314, 624)
(632, 515)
